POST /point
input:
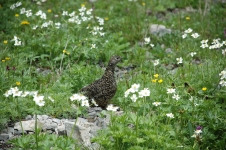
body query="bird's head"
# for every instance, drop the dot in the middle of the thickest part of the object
(114, 60)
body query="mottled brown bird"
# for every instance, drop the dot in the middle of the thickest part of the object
(103, 89)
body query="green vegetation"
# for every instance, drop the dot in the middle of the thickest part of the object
(54, 47)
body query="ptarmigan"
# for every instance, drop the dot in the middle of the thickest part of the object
(103, 89)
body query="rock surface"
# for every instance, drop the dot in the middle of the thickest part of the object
(81, 129)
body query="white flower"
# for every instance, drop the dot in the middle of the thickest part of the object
(144, 92)
(28, 13)
(78, 97)
(112, 108)
(39, 100)
(65, 13)
(134, 97)
(223, 51)
(179, 60)
(204, 41)
(195, 35)
(93, 46)
(176, 97)
(184, 35)
(85, 103)
(33, 93)
(223, 74)
(127, 93)
(17, 93)
(193, 54)
(8, 93)
(147, 40)
(72, 14)
(156, 62)
(170, 91)
(134, 88)
(170, 115)
(17, 43)
(94, 102)
(35, 27)
(189, 30)
(89, 12)
(204, 45)
(43, 16)
(152, 45)
(57, 25)
(24, 94)
(18, 4)
(22, 11)
(156, 103)
(198, 132)
(51, 99)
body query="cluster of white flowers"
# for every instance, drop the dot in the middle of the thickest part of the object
(13, 6)
(17, 41)
(216, 44)
(15, 92)
(179, 60)
(46, 24)
(97, 30)
(147, 41)
(83, 15)
(173, 91)
(135, 88)
(28, 13)
(222, 78)
(41, 14)
(189, 30)
(81, 98)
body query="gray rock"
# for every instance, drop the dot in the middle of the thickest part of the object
(28, 117)
(4, 137)
(27, 125)
(159, 30)
(60, 130)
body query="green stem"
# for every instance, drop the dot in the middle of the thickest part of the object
(19, 114)
(36, 129)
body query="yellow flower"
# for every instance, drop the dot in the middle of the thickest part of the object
(25, 22)
(16, 15)
(18, 83)
(83, 5)
(68, 53)
(106, 18)
(143, 4)
(154, 80)
(160, 81)
(156, 75)
(64, 51)
(49, 10)
(187, 18)
(7, 58)
(5, 41)
(3, 60)
(204, 88)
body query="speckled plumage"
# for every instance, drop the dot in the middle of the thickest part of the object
(103, 89)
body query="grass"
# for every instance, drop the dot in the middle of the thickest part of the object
(58, 59)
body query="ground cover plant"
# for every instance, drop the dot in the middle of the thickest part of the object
(173, 97)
